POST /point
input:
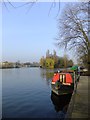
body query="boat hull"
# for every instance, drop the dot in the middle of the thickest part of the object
(63, 89)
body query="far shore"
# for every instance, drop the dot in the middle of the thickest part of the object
(82, 73)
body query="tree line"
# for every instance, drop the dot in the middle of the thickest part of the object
(54, 61)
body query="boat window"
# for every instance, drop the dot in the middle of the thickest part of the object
(62, 78)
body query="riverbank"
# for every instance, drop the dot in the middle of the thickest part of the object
(8, 65)
(85, 73)
(78, 107)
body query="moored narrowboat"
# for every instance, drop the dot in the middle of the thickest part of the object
(63, 82)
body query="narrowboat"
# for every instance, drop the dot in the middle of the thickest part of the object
(63, 82)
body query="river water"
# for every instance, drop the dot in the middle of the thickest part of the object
(26, 93)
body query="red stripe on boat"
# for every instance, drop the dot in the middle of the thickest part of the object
(56, 77)
(68, 78)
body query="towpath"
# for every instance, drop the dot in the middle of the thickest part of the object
(79, 104)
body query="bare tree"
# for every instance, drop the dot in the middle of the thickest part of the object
(31, 3)
(24, 3)
(73, 28)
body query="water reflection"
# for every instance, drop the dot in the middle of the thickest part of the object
(30, 94)
(47, 74)
(60, 102)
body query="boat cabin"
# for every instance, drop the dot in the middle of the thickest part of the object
(63, 78)
(63, 82)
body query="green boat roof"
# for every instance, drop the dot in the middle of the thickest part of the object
(74, 67)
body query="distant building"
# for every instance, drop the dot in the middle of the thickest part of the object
(6, 64)
(27, 64)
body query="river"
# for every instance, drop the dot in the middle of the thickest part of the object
(26, 93)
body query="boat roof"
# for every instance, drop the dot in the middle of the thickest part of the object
(67, 71)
